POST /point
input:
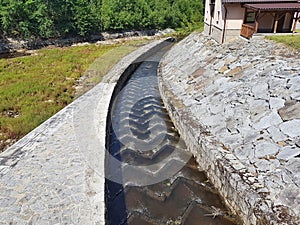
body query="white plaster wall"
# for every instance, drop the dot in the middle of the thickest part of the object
(293, 22)
(234, 22)
(217, 19)
(219, 15)
(207, 12)
(235, 16)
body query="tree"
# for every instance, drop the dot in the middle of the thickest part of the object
(61, 18)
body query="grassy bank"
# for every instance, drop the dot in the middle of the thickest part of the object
(33, 88)
(183, 32)
(290, 40)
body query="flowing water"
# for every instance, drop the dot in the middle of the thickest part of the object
(151, 178)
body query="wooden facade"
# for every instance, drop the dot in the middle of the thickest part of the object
(247, 31)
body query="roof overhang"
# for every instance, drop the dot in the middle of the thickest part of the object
(274, 7)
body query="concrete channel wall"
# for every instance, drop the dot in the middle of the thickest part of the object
(55, 174)
(215, 95)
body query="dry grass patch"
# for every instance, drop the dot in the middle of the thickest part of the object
(33, 88)
(290, 40)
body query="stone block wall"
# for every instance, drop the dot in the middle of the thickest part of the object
(212, 158)
(216, 33)
(225, 101)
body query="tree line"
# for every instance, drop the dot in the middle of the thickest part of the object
(62, 18)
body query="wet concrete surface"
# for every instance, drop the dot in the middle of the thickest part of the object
(151, 178)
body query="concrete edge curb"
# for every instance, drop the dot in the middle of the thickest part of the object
(246, 199)
(113, 76)
(104, 91)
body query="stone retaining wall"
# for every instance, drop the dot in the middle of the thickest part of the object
(227, 102)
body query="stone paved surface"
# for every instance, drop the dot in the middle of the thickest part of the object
(48, 177)
(245, 97)
(55, 174)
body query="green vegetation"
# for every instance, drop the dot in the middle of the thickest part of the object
(183, 32)
(99, 68)
(61, 18)
(290, 40)
(33, 88)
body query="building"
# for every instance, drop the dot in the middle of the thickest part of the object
(227, 19)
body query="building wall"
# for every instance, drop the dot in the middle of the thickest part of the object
(235, 16)
(287, 22)
(206, 13)
(234, 21)
(217, 17)
(214, 24)
(231, 34)
(265, 23)
(297, 23)
(217, 33)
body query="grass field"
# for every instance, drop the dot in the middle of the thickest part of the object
(33, 88)
(290, 40)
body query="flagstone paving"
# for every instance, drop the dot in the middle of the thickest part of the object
(245, 97)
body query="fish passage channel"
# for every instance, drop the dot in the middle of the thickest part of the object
(150, 176)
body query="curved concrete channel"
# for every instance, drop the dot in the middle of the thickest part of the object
(150, 176)
(55, 174)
